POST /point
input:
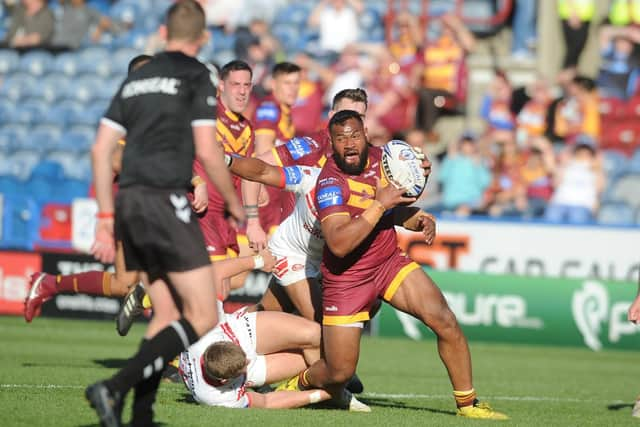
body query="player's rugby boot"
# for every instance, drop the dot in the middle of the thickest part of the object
(131, 308)
(481, 410)
(108, 405)
(43, 287)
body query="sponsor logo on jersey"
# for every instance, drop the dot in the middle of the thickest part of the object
(329, 196)
(164, 85)
(292, 175)
(331, 308)
(299, 147)
(267, 111)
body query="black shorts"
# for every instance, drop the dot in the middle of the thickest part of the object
(159, 231)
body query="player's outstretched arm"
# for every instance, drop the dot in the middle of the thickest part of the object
(254, 169)
(287, 399)
(227, 268)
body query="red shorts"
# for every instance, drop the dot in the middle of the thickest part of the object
(348, 298)
(219, 236)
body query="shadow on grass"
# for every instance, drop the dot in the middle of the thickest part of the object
(389, 403)
(155, 424)
(186, 398)
(618, 406)
(111, 363)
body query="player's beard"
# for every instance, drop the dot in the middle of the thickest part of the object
(351, 169)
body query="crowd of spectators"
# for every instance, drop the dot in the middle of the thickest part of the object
(538, 144)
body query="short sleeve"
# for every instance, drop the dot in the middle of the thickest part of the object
(203, 107)
(331, 197)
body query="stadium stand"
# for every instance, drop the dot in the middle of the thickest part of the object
(50, 104)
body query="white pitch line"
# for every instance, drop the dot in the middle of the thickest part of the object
(370, 394)
(515, 398)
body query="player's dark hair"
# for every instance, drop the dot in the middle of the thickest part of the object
(224, 360)
(283, 68)
(185, 21)
(355, 95)
(342, 116)
(235, 65)
(138, 62)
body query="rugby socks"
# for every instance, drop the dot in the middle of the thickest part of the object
(144, 398)
(91, 282)
(153, 355)
(303, 380)
(464, 398)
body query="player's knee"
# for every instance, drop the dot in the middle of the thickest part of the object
(444, 321)
(311, 335)
(341, 374)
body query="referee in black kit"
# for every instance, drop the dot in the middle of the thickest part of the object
(166, 109)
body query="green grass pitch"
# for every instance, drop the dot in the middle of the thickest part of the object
(44, 367)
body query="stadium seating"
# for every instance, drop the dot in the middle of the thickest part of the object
(36, 63)
(20, 222)
(616, 213)
(66, 63)
(9, 60)
(626, 188)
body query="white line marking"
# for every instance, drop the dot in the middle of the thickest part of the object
(371, 394)
(515, 398)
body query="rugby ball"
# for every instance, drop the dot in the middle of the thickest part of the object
(402, 166)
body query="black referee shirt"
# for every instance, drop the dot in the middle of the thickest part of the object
(156, 106)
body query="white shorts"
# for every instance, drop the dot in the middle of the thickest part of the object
(294, 268)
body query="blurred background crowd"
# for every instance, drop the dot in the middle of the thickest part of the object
(528, 109)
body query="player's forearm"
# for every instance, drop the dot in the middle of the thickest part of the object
(257, 170)
(342, 237)
(264, 142)
(290, 399)
(407, 217)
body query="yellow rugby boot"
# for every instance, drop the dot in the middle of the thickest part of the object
(481, 410)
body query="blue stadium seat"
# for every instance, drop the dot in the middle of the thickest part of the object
(6, 107)
(36, 63)
(135, 38)
(66, 63)
(52, 87)
(16, 131)
(9, 60)
(369, 20)
(8, 143)
(125, 11)
(72, 189)
(98, 66)
(616, 213)
(287, 35)
(59, 113)
(27, 112)
(23, 162)
(614, 163)
(222, 40)
(17, 86)
(76, 141)
(634, 162)
(121, 59)
(83, 89)
(44, 183)
(65, 159)
(626, 189)
(101, 6)
(20, 222)
(42, 139)
(84, 117)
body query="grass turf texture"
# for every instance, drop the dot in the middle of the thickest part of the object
(44, 367)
